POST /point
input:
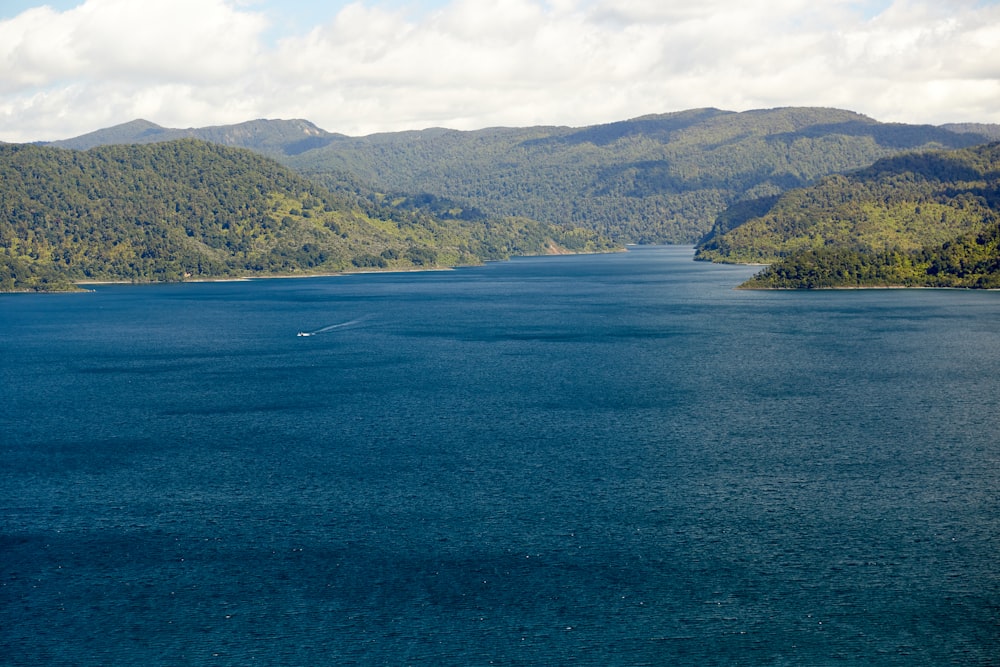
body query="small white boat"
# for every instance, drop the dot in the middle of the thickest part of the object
(305, 333)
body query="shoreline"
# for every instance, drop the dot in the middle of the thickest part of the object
(82, 285)
(293, 276)
(864, 287)
(240, 279)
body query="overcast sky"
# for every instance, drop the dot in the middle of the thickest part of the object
(72, 66)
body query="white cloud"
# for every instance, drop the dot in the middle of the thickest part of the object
(34, 50)
(201, 41)
(474, 63)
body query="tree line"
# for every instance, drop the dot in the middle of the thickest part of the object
(188, 209)
(920, 219)
(656, 179)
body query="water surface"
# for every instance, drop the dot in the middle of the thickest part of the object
(593, 460)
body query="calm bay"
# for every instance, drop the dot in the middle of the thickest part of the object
(594, 460)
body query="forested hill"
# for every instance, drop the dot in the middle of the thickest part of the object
(188, 209)
(659, 178)
(275, 138)
(929, 219)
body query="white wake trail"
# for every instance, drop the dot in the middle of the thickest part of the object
(332, 327)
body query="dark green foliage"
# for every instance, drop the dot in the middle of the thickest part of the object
(971, 262)
(655, 179)
(188, 209)
(367, 261)
(734, 216)
(25, 275)
(660, 178)
(966, 262)
(176, 210)
(930, 220)
(183, 209)
(421, 256)
(839, 267)
(903, 203)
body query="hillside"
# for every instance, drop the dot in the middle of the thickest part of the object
(901, 203)
(917, 219)
(275, 138)
(187, 209)
(971, 261)
(655, 179)
(989, 130)
(658, 179)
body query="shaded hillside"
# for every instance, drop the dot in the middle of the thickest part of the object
(276, 138)
(971, 261)
(187, 209)
(660, 178)
(989, 130)
(903, 203)
(922, 219)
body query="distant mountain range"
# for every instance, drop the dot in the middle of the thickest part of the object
(745, 186)
(275, 138)
(654, 179)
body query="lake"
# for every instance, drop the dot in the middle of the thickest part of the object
(592, 460)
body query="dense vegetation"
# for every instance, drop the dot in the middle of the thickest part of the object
(274, 138)
(901, 203)
(971, 261)
(163, 208)
(187, 209)
(920, 219)
(656, 179)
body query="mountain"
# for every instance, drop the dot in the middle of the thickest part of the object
(275, 138)
(653, 179)
(661, 178)
(927, 219)
(903, 203)
(989, 130)
(188, 209)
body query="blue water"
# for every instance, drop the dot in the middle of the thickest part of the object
(590, 460)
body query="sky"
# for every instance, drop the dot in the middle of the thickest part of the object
(73, 66)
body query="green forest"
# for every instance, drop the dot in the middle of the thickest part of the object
(187, 209)
(823, 196)
(970, 262)
(919, 219)
(654, 179)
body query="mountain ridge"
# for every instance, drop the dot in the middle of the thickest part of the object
(681, 177)
(659, 178)
(189, 209)
(275, 138)
(143, 129)
(656, 178)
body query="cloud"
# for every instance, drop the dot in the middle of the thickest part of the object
(201, 41)
(473, 63)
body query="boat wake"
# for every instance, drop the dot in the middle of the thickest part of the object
(332, 327)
